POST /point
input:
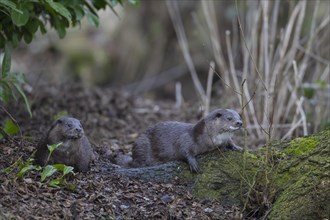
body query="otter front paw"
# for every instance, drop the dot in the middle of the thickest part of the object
(233, 146)
(193, 165)
(236, 147)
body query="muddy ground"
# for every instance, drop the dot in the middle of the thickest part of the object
(112, 120)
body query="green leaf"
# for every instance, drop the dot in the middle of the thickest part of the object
(29, 4)
(9, 4)
(64, 168)
(67, 169)
(6, 62)
(60, 28)
(47, 172)
(21, 92)
(79, 12)
(32, 26)
(42, 28)
(10, 127)
(25, 169)
(59, 167)
(134, 2)
(28, 37)
(92, 19)
(59, 8)
(15, 39)
(2, 41)
(55, 183)
(21, 16)
(99, 4)
(7, 91)
(52, 147)
(17, 77)
(2, 95)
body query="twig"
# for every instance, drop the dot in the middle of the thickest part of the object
(209, 88)
(178, 95)
(225, 82)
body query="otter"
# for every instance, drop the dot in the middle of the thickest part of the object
(168, 141)
(75, 150)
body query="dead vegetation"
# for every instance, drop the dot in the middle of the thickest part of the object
(269, 62)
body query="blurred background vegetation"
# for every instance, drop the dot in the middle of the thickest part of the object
(284, 71)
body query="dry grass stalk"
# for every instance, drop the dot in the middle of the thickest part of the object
(209, 88)
(183, 42)
(274, 61)
(269, 59)
(178, 95)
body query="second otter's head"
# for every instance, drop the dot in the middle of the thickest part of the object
(223, 121)
(66, 128)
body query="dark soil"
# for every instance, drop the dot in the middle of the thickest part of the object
(112, 120)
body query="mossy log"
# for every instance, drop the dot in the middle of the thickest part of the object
(286, 180)
(302, 179)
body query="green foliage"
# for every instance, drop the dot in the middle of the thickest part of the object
(309, 93)
(51, 148)
(26, 167)
(9, 128)
(11, 82)
(47, 172)
(22, 19)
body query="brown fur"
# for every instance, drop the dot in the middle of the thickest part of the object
(169, 141)
(75, 151)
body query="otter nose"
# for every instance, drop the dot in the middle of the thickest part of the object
(78, 130)
(239, 123)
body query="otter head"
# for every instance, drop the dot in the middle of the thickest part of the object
(223, 121)
(69, 128)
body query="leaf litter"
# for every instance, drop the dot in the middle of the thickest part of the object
(112, 120)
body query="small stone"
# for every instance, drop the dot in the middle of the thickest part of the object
(28, 180)
(122, 207)
(208, 210)
(167, 198)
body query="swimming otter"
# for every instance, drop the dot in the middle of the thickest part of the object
(75, 150)
(171, 140)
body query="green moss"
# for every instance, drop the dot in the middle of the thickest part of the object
(301, 146)
(302, 182)
(225, 179)
(298, 184)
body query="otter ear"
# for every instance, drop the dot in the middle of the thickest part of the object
(59, 121)
(218, 115)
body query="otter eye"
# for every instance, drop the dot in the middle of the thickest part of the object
(230, 118)
(70, 125)
(218, 115)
